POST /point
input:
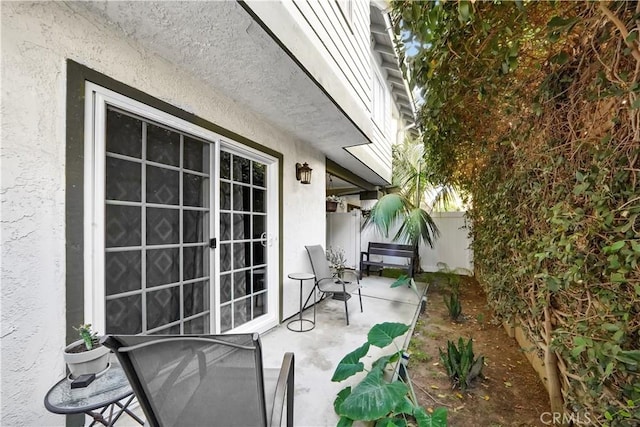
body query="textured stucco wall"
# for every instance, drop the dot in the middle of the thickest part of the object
(37, 39)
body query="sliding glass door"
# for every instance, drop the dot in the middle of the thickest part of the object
(244, 283)
(181, 226)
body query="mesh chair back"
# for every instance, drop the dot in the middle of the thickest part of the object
(319, 262)
(195, 381)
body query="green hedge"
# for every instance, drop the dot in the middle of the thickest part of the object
(533, 109)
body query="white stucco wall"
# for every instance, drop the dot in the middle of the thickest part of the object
(36, 41)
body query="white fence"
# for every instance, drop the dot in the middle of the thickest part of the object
(451, 248)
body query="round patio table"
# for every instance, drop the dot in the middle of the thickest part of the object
(104, 394)
(303, 325)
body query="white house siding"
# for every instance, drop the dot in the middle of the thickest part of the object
(37, 39)
(338, 55)
(344, 40)
(378, 155)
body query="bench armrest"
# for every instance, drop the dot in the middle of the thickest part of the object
(364, 254)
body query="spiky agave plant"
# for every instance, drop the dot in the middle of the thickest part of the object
(453, 305)
(461, 364)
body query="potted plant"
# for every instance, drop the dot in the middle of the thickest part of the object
(337, 260)
(332, 203)
(87, 355)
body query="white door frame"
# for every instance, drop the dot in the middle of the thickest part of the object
(96, 100)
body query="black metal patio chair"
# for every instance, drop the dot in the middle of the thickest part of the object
(327, 282)
(207, 380)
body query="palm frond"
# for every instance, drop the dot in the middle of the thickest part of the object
(385, 212)
(418, 226)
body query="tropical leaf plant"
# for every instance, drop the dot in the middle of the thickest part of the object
(405, 208)
(388, 403)
(404, 280)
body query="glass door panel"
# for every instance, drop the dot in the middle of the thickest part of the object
(157, 213)
(243, 240)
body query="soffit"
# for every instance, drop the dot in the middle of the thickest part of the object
(387, 59)
(219, 43)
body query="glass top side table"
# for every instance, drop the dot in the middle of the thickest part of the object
(300, 324)
(104, 393)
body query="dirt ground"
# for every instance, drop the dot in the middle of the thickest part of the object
(511, 394)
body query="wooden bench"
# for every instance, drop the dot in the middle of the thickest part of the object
(387, 249)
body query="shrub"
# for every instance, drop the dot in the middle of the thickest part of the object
(460, 363)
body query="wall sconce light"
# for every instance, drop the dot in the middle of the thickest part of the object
(303, 173)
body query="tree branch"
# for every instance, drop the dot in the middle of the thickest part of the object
(622, 28)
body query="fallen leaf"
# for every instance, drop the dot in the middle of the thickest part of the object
(442, 396)
(459, 396)
(486, 397)
(507, 384)
(435, 387)
(430, 410)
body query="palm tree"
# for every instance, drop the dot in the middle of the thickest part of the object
(410, 176)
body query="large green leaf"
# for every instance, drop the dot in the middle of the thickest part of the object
(403, 280)
(382, 362)
(391, 422)
(383, 334)
(342, 395)
(344, 422)
(405, 407)
(437, 419)
(350, 364)
(373, 398)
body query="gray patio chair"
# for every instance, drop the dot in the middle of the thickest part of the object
(327, 282)
(207, 380)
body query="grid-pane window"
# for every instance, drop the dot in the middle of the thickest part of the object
(243, 240)
(157, 214)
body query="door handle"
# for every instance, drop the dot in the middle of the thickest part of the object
(263, 239)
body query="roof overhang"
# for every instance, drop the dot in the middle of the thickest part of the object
(223, 45)
(385, 49)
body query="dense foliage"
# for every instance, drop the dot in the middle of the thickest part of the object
(532, 108)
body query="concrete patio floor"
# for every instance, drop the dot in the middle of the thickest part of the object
(318, 351)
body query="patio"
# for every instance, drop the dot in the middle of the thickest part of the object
(318, 351)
